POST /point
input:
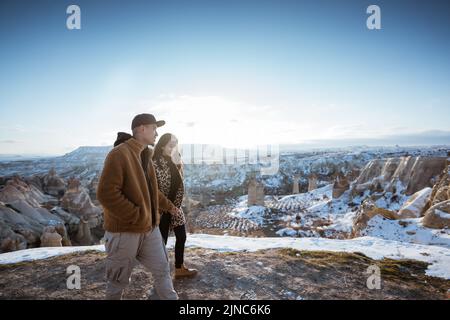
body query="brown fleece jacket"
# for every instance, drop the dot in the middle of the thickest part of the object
(123, 191)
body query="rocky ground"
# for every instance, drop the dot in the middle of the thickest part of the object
(267, 274)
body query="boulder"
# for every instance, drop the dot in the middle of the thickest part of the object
(438, 216)
(413, 207)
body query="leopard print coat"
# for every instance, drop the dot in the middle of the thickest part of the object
(164, 177)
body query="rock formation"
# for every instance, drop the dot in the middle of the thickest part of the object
(295, 186)
(10, 240)
(76, 200)
(17, 189)
(414, 206)
(438, 216)
(50, 238)
(23, 218)
(413, 173)
(312, 182)
(366, 212)
(92, 187)
(431, 203)
(255, 193)
(441, 190)
(437, 209)
(84, 236)
(53, 184)
(340, 185)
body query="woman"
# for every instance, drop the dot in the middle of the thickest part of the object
(169, 173)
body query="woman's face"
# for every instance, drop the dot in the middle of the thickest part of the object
(170, 148)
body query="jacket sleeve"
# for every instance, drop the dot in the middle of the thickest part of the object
(164, 203)
(109, 191)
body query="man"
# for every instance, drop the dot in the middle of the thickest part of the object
(128, 192)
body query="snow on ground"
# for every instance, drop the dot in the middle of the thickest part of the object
(438, 257)
(252, 213)
(318, 204)
(342, 222)
(287, 232)
(312, 205)
(43, 253)
(407, 230)
(311, 197)
(442, 214)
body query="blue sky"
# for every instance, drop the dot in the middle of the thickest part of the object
(234, 73)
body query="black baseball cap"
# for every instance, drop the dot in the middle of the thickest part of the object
(144, 119)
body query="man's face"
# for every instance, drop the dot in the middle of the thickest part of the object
(150, 134)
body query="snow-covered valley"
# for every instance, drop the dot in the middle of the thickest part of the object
(369, 201)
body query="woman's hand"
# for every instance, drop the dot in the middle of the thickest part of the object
(175, 211)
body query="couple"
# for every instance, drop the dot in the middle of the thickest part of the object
(134, 188)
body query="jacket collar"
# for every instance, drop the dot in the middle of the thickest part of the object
(135, 145)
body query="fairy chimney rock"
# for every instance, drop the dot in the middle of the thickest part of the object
(340, 185)
(73, 185)
(255, 193)
(295, 186)
(51, 238)
(312, 182)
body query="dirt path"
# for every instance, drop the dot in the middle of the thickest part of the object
(268, 274)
